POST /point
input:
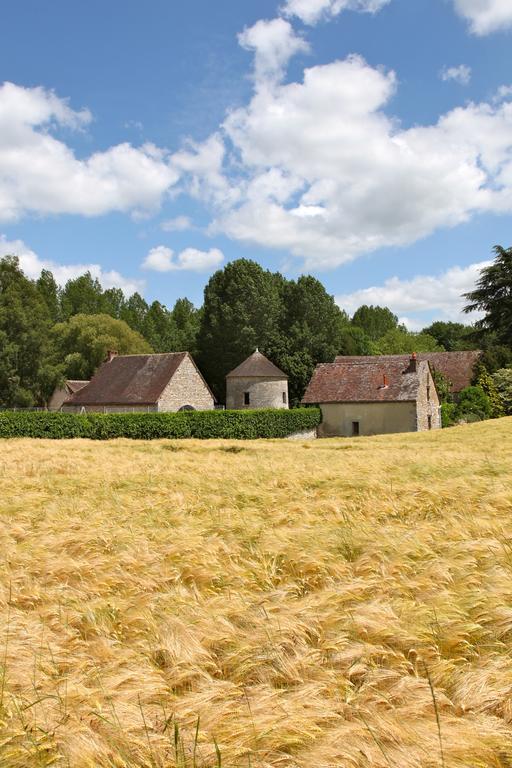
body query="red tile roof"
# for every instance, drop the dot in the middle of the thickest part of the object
(257, 365)
(365, 381)
(458, 367)
(130, 380)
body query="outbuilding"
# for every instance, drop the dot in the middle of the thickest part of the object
(373, 396)
(256, 383)
(170, 381)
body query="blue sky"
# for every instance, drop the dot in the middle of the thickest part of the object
(368, 142)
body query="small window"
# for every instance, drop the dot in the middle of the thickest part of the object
(429, 422)
(355, 429)
(186, 408)
(247, 398)
(284, 397)
(428, 391)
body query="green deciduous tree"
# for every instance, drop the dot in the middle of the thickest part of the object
(375, 321)
(486, 382)
(453, 337)
(26, 378)
(399, 341)
(83, 296)
(80, 344)
(473, 404)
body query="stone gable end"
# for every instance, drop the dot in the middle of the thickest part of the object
(186, 388)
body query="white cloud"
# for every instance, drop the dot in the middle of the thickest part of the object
(32, 264)
(485, 16)
(319, 168)
(41, 174)
(274, 43)
(460, 74)
(179, 224)
(439, 295)
(162, 259)
(312, 11)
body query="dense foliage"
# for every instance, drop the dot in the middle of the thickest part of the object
(49, 333)
(265, 423)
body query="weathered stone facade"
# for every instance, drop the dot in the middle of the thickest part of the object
(428, 407)
(260, 391)
(186, 388)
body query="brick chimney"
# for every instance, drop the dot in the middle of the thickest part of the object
(413, 363)
(111, 353)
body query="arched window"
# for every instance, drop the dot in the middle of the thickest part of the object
(186, 408)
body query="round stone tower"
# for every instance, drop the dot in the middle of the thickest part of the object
(256, 383)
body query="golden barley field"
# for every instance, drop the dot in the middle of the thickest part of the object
(332, 604)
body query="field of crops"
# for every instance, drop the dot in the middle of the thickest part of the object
(330, 604)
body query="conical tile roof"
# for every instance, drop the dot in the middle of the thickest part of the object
(257, 365)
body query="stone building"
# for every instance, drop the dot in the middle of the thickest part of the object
(63, 393)
(256, 383)
(372, 396)
(130, 383)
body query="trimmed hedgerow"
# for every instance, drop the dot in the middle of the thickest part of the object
(242, 425)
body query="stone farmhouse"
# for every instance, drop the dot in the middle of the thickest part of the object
(63, 393)
(374, 395)
(129, 383)
(457, 367)
(256, 383)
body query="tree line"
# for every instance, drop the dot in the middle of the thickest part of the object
(50, 333)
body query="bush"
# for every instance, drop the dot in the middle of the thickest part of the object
(243, 425)
(473, 405)
(448, 411)
(503, 382)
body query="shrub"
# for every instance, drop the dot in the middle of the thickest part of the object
(503, 383)
(448, 411)
(243, 425)
(473, 404)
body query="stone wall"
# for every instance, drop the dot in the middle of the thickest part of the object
(263, 393)
(186, 388)
(428, 401)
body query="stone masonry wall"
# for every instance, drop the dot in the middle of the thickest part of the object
(186, 388)
(263, 393)
(428, 401)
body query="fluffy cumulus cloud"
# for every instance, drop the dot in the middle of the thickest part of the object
(274, 43)
(40, 173)
(312, 11)
(320, 168)
(441, 294)
(460, 74)
(163, 259)
(32, 265)
(485, 16)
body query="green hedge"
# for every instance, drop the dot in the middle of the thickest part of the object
(243, 425)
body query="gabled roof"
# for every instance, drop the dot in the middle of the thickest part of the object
(257, 365)
(365, 381)
(458, 367)
(74, 385)
(130, 380)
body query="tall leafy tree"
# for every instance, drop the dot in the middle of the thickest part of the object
(50, 293)
(113, 302)
(187, 320)
(493, 296)
(399, 341)
(81, 296)
(453, 337)
(26, 378)
(311, 332)
(80, 344)
(242, 310)
(375, 321)
(134, 312)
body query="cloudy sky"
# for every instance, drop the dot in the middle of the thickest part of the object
(368, 142)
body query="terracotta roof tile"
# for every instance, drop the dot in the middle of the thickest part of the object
(130, 380)
(257, 365)
(364, 380)
(458, 367)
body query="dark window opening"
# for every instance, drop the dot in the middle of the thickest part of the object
(247, 398)
(284, 397)
(355, 429)
(430, 422)
(428, 391)
(187, 408)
